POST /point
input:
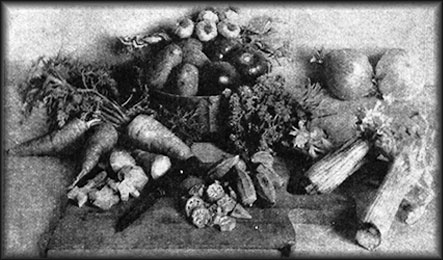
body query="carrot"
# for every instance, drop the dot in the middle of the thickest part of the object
(148, 134)
(55, 142)
(102, 140)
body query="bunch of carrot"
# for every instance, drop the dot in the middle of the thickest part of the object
(100, 137)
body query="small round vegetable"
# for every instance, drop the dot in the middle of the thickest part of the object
(227, 223)
(208, 15)
(184, 28)
(230, 15)
(120, 158)
(348, 74)
(220, 48)
(228, 29)
(192, 203)
(249, 63)
(216, 77)
(200, 216)
(215, 192)
(398, 74)
(190, 182)
(226, 203)
(206, 30)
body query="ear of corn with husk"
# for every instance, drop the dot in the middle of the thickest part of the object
(330, 171)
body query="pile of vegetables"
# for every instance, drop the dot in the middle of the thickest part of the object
(206, 53)
(128, 139)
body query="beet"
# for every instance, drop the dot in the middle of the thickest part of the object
(398, 74)
(348, 74)
(219, 49)
(216, 77)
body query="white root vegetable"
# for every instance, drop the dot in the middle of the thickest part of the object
(153, 164)
(104, 198)
(133, 180)
(80, 194)
(119, 159)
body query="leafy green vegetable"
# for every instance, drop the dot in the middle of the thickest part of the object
(70, 89)
(261, 117)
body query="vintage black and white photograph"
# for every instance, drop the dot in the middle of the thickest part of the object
(221, 129)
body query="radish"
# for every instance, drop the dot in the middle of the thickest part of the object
(148, 134)
(102, 140)
(55, 142)
(347, 74)
(397, 73)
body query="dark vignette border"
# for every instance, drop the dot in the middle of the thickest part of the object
(4, 73)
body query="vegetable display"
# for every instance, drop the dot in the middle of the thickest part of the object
(133, 145)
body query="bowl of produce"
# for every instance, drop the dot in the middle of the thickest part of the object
(206, 56)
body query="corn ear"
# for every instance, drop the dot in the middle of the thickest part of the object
(380, 213)
(330, 171)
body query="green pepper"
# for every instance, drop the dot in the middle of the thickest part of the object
(250, 63)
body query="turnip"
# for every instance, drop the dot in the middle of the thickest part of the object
(398, 74)
(347, 74)
(148, 134)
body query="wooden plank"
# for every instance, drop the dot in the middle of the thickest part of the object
(163, 229)
(87, 230)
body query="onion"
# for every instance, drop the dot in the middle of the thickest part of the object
(348, 74)
(206, 30)
(398, 74)
(228, 29)
(184, 28)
